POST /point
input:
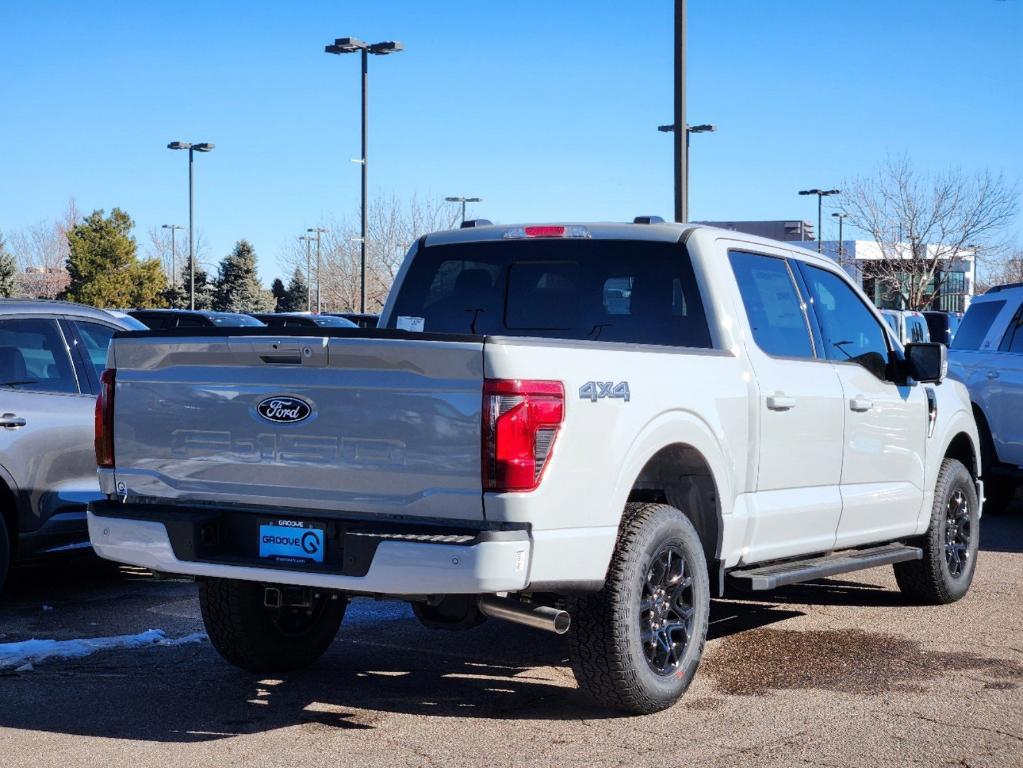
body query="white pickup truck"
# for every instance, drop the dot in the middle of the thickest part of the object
(576, 427)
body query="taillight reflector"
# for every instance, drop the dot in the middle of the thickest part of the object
(105, 420)
(521, 420)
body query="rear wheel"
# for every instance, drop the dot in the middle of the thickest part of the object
(950, 545)
(258, 638)
(635, 645)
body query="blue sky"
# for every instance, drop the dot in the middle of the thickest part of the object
(547, 110)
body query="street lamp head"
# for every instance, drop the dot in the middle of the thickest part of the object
(810, 192)
(346, 45)
(453, 199)
(831, 192)
(702, 128)
(666, 128)
(179, 145)
(386, 47)
(840, 215)
(204, 147)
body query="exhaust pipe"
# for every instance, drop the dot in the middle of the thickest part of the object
(536, 616)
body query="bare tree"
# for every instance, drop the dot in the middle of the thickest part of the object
(41, 252)
(393, 226)
(926, 225)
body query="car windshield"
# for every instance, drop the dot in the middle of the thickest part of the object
(328, 321)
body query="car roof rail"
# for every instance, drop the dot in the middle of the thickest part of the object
(473, 223)
(1007, 286)
(648, 220)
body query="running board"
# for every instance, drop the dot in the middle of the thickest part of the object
(795, 571)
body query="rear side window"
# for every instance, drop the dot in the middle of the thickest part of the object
(976, 323)
(916, 329)
(772, 304)
(601, 290)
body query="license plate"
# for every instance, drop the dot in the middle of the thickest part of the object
(292, 541)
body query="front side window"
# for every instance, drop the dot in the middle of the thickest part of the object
(976, 324)
(33, 357)
(772, 303)
(851, 332)
(600, 290)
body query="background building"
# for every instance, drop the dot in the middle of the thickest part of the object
(789, 229)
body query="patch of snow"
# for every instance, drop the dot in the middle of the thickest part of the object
(28, 652)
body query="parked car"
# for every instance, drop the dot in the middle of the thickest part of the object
(518, 447)
(361, 319)
(908, 326)
(987, 355)
(302, 320)
(162, 319)
(51, 357)
(942, 326)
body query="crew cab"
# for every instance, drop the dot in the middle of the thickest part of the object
(584, 428)
(987, 356)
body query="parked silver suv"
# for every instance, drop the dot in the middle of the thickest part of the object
(51, 357)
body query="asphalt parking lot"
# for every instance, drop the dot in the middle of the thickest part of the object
(839, 672)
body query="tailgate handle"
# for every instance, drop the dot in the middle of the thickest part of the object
(282, 350)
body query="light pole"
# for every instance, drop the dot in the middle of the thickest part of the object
(174, 251)
(308, 274)
(204, 146)
(821, 194)
(463, 201)
(841, 245)
(354, 45)
(319, 231)
(690, 129)
(679, 114)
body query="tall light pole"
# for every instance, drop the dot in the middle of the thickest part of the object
(690, 129)
(463, 201)
(354, 45)
(679, 115)
(174, 251)
(841, 246)
(204, 146)
(308, 274)
(821, 194)
(319, 231)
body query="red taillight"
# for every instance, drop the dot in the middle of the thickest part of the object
(105, 420)
(520, 422)
(547, 230)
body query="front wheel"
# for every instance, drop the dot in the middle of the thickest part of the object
(950, 545)
(258, 638)
(635, 645)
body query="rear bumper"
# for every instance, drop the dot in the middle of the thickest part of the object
(498, 561)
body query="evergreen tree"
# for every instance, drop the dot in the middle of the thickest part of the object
(178, 295)
(280, 294)
(238, 288)
(297, 295)
(104, 267)
(8, 272)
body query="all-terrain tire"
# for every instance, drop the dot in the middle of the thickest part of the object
(950, 543)
(260, 639)
(608, 653)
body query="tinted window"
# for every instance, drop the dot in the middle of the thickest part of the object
(234, 320)
(976, 323)
(187, 321)
(33, 356)
(939, 326)
(96, 338)
(631, 291)
(772, 305)
(154, 320)
(1012, 341)
(916, 329)
(851, 332)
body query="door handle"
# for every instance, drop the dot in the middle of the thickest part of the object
(780, 402)
(11, 421)
(860, 404)
(993, 374)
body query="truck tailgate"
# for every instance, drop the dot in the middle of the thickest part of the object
(349, 424)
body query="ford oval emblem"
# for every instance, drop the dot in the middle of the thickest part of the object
(283, 409)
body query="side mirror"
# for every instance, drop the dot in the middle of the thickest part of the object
(927, 362)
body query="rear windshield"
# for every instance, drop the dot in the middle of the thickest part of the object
(233, 319)
(976, 323)
(601, 290)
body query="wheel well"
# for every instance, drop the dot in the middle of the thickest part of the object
(961, 448)
(679, 475)
(9, 512)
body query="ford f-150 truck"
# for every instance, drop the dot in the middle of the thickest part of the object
(588, 428)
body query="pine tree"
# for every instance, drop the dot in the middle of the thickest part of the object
(297, 295)
(104, 267)
(237, 287)
(178, 295)
(8, 272)
(280, 294)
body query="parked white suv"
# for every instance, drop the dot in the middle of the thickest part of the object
(987, 355)
(555, 424)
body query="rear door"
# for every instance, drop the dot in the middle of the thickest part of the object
(371, 425)
(885, 423)
(800, 413)
(1003, 380)
(46, 421)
